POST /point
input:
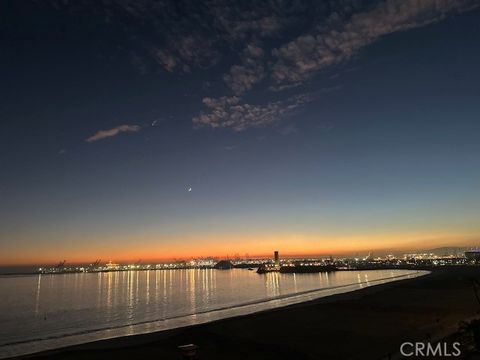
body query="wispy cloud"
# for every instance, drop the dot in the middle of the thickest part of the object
(251, 70)
(270, 46)
(103, 134)
(230, 112)
(305, 56)
(334, 40)
(182, 35)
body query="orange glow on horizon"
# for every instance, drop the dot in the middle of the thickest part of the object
(153, 249)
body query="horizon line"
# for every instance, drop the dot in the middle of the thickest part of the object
(352, 253)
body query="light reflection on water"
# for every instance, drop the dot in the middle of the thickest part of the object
(45, 306)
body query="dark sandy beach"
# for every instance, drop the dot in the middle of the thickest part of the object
(366, 324)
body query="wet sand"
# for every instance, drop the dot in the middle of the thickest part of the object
(365, 324)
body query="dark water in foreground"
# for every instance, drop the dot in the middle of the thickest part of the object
(38, 312)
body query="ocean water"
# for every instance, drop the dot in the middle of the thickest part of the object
(39, 312)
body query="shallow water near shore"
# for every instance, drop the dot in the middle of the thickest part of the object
(42, 312)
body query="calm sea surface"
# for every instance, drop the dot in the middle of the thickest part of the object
(39, 312)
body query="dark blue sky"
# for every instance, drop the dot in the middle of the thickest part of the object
(307, 127)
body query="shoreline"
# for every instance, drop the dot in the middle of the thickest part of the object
(28, 347)
(298, 318)
(198, 319)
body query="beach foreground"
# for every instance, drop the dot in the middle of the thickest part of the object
(367, 324)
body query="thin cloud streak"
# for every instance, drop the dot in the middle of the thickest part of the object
(103, 134)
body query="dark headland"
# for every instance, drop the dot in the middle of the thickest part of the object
(365, 324)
